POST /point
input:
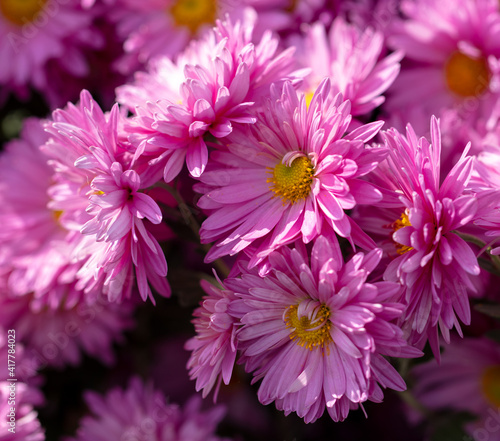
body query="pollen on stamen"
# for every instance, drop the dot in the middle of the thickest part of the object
(21, 12)
(467, 76)
(490, 383)
(292, 183)
(403, 221)
(194, 13)
(310, 333)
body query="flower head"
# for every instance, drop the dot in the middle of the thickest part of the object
(58, 336)
(102, 198)
(142, 413)
(58, 33)
(211, 90)
(35, 250)
(467, 379)
(352, 59)
(432, 262)
(314, 330)
(452, 55)
(292, 176)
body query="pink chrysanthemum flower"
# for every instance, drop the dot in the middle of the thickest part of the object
(293, 174)
(35, 251)
(155, 28)
(433, 263)
(214, 346)
(353, 61)
(59, 336)
(141, 413)
(467, 379)
(101, 197)
(315, 331)
(452, 56)
(218, 80)
(35, 32)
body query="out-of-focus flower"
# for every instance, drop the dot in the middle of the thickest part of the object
(141, 413)
(34, 32)
(294, 174)
(35, 250)
(431, 261)
(467, 379)
(452, 59)
(155, 28)
(352, 59)
(57, 336)
(211, 88)
(101, 197)
(214, 346)
(314, 330)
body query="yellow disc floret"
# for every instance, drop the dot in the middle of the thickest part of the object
(491, 385)
(310, 332)
(403, 221)
(293, 182)
(467, 76)
(20, 12)
(194, 13)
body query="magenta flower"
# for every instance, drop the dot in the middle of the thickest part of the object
(58, 336)
(222, 76)
(214, 346)
(432, 262)
(35, 251)
(141, 413)
(467, 379)
(294, 174)
(314, 330)
(102, 198)
(453, 59)
(35, 34)
(351, 58)
(156, 28)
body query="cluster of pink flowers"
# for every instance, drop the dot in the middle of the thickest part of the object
(339, 169)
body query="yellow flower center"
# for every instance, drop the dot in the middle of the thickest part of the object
(57, 214)
(20, 12)
(294, 182)
(403, 221)
(467, 76)
(310, 332)
(491, 384)
(194, 13)
(308, 96)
